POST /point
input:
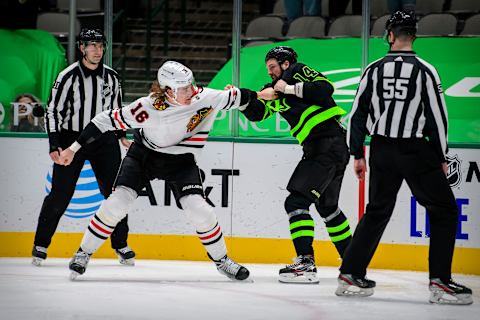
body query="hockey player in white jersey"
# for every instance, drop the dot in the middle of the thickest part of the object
(172, 124)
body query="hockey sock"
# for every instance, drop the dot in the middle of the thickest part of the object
(95, 235)
(339, 231)
(206, 225)
(213, 242)
(302, 229)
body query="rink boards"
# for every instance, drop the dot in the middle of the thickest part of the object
(248, 202)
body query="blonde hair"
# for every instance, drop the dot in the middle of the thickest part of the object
(157, 92)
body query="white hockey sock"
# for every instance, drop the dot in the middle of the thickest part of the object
(203, 218)
(213, 242)
(111, 211)
(95, 235)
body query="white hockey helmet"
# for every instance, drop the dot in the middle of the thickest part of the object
(174, 75)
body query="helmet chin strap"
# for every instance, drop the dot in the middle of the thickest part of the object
(174, 98)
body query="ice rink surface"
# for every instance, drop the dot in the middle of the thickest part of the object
(195, 290)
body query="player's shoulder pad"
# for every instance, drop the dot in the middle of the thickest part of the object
(296, 67)
(159, 104)
(146, 102)
(292, 70)
(204, 93)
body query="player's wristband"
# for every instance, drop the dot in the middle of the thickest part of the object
(289, 89)
(299, 89)
(75, 147)
(295, 89)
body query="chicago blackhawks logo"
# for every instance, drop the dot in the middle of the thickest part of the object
(454, 174)
(197, 118)
(160, 104)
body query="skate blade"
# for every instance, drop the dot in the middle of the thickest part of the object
(247, 280)
(37, 261)
(305, 279)
(127, 262)
(445, 298)
(74, 275)
(353, 291)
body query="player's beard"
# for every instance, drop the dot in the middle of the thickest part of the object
(275, 78)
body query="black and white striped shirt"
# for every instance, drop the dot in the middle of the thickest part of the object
(399, 96)
(79, 94)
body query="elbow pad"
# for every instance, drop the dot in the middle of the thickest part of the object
(89, 134)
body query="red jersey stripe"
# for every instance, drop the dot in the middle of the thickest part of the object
(100, 228)
(212, 235)
(115, 113)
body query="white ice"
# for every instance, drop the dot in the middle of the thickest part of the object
(195, 290)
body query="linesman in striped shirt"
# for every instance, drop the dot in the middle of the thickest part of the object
(400, 104)
(81, 91)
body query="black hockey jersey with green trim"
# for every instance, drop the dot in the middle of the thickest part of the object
(314, 115)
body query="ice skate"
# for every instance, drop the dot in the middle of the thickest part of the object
(126, 256)
(39, 254)
(231, 269)
(302, 270)
(350, 285)
(449, 292)
(78, 264)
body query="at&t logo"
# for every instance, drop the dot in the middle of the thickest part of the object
(87, 197)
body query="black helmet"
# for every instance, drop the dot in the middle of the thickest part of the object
(282, 54)
(402, 21)
(95, 35)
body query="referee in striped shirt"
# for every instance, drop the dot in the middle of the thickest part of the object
(81, 91)
(400, 104)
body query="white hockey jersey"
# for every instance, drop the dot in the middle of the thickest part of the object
(170, 128)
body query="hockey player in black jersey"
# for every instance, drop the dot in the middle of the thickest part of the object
(303, 96)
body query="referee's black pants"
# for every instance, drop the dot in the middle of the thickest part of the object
(105, 157)
(392, 161)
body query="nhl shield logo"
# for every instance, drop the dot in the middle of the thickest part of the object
(454, 174)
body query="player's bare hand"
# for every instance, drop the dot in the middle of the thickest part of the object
(280, 86)
(55, 155)
(360, 168)
(228, 87)
(66, 157)
(125, 142)
(445, 168)
(267, 94)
